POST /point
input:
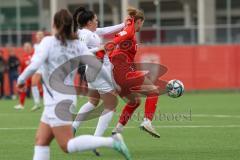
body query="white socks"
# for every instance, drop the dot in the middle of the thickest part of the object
(82, 113)
(41, 153)
(78, 144)
(36, 95)
(103, 122)
(87, 142)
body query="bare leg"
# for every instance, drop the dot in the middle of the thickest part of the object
(36, 79)
(44, 136)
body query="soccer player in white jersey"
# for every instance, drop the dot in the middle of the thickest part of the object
(89, 34)
(53, 52)
(36, 78)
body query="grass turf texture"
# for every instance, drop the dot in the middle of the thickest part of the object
(212, 131)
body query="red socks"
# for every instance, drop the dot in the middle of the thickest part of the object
(127, 113)
(150, 107)
(22, 96)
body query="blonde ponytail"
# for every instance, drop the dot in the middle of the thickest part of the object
(135, 13)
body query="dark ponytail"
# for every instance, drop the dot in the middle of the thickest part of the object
(63, 22)
(81, 17)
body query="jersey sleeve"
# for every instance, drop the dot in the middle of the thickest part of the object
(83, 49)
(127, 33)
(94, 50)
(109, 30)
(37, 60)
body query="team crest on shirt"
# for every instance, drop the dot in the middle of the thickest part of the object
(122, 33)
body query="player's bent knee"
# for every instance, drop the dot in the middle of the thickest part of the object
(41, 141)
(36, 79)
(34, 85)
(94, 101)
(135, 103)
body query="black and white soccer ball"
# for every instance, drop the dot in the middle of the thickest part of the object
(175, 88)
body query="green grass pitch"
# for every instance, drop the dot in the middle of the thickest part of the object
(197, 126)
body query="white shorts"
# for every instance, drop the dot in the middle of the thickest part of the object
(55, 118)
(100, 84)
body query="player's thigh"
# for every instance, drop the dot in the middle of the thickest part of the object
(133, 99)
(44, 135)
(109, 100)
(62, 135)
(36, 79)
(93, 97)
(149, 86)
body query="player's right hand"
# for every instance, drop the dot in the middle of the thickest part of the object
(21, 87)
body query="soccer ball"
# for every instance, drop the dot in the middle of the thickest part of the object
(175, 88)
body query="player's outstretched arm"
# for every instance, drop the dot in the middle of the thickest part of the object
(37, 60)
(110, 30)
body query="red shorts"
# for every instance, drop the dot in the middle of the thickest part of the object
(128, 78)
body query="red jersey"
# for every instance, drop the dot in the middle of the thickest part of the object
(125, 42)
(26, 59)
(124, 48)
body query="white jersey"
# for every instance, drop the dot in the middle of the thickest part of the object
(93, 39)
(93, 42)
(50, 55)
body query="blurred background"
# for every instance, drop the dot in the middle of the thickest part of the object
(167, 21)
(196, 39)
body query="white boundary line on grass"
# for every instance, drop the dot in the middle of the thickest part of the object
(193, 115)
(133, 127)
(216, 115)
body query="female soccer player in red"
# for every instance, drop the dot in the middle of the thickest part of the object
(26, 58)
(122, 58)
